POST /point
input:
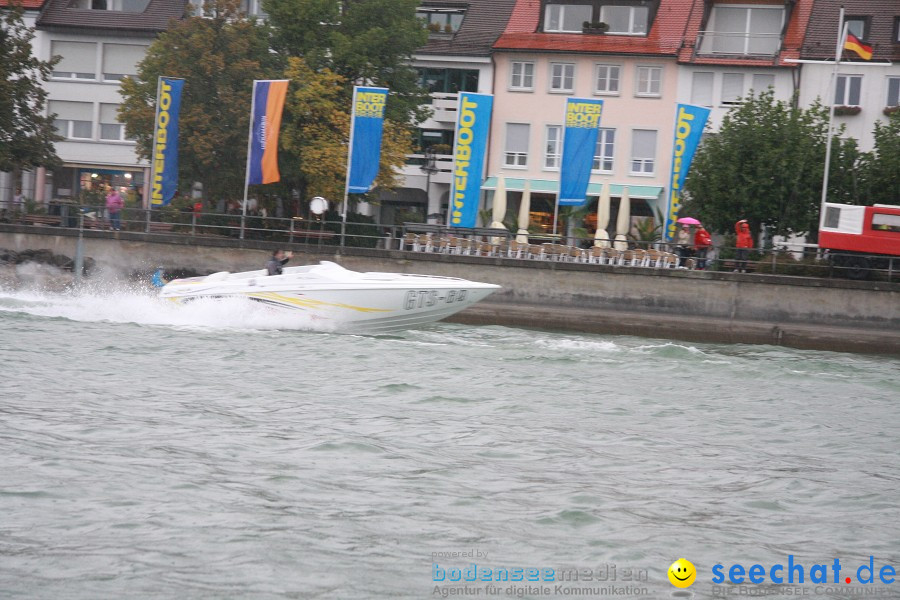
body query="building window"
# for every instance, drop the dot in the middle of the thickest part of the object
(74, 120)
(762, 82)
(441, 20)
(110, 128)
(732, 88)
(121, 60)
(625, 20)
(566, 18)
(253, 8)
(130, 6)
(858, 26)
(607, 79)
(553, 147)
(606, 146)
(893, 91)
(562, 77)
(516, 154)
(702, 89)
(847, 90)
(79, 60)
(522, 76)
(449, 81)
(743, 30)
(643, 152)
(897, 30)
(648, 82)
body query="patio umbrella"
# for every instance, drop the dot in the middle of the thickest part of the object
(601, 237)
(499, 203)
(623, 221)
(688, 221)
(524, 214)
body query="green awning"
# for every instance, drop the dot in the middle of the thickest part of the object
(550, 186)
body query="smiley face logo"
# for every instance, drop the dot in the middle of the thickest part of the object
(682, 573)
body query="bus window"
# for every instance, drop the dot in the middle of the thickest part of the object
(885, 222)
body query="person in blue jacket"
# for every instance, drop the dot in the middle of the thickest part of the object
(158, 279)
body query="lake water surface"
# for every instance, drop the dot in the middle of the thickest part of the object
(213, 451)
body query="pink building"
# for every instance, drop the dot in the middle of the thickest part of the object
(625, 53)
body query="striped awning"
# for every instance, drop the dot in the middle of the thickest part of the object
(550, 186)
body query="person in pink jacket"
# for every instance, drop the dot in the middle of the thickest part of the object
(744, 244)
(114, 204)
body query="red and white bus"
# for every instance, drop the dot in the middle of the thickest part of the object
(860, 238)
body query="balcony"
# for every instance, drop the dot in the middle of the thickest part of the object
(443, 164)
(738, 44)
(445, 107)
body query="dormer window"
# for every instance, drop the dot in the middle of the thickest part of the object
(566, 18)
(625, 20)
(129, 6)
(441, 19)
(743, 30)
(615, 17)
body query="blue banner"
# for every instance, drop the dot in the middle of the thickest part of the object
(579, 146)
(265, 123)
(473, 122)
(689, 123)
(164, 182)
(367, 124)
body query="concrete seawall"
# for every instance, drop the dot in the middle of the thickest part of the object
(687, 305)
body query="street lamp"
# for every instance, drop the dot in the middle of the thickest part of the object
(429, 167)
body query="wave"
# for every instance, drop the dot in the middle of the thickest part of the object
(135, 305)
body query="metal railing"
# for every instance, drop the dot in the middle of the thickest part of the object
(800, 260)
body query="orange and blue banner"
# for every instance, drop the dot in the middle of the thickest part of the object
(689, 123)
(268, 103)
(473, 123)
(367, 125)
(579, 146)
(164, 181)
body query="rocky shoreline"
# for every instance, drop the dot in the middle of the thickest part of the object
(41, 269)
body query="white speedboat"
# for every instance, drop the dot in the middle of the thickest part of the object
(338, 299)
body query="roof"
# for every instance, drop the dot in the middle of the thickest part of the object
(26, 4)
(822, 31)
(484, 21)
(156, 17)
(664, 38)
(798, 18)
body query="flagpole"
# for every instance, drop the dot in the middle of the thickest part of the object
(247, 166)
(347, 174)
(842, 33)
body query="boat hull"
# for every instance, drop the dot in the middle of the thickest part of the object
(336, 299)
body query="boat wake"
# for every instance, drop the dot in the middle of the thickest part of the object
(143, 307)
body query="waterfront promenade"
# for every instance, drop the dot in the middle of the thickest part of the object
(802, 312)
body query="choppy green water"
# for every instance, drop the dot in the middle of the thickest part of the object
(153, 451)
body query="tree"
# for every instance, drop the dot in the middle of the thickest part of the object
(26, 135)
(765, 165)
(218, 56)
(316, 131)
(880, 168)
(367, 42)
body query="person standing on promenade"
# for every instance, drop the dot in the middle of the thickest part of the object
(114, 204)
(683, 243)
(702, 242)
(18, 202)
(744, 244)
(277, 261)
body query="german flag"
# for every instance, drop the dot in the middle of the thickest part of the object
(861, 48)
